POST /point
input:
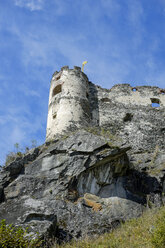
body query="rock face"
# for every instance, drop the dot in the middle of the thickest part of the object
(103, 163)
(85, 183)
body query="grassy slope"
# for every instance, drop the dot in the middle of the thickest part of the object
(147, 231)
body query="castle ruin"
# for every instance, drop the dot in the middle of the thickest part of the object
(137, 114)
(105, 164)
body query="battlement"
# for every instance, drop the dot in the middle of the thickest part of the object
(139, 95)
(76, 70)
(69, 107)
(75, 103)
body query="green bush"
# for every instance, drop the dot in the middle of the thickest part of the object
(11, 156)
(16, 237)
(158, 237)
(19, 152)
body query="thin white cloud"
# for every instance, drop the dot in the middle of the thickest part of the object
(27, 91)
(19, 127)
(135, 12)
(112, 57)
(162, 2)
(135, 17)
(17, 134)
(110, 7)
(30, 4)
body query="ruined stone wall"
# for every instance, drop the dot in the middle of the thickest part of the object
(137, 115)
(134, 115)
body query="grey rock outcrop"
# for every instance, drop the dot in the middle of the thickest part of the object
(82, 184)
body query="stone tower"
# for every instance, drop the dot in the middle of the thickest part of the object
(69, 107)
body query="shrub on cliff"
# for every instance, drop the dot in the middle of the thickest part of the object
(11, 156)
(11, 236)
(19, 152)
(148, 231)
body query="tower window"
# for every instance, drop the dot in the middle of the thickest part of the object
(155, 102)
(134, 89)
(57, 78)
(54, 116)
(57, 90)
(128, 117)
(162, 91)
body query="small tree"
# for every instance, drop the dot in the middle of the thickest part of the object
(26, 149)
(34, 143)
(10, 157)
(16, 145)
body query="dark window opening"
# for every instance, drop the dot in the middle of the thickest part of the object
(162, 92)
(134, 89)
(128, 117)
(106, 99)
(87, 95)
(155, 102)
(57, 78)
(54, 116)
(57, 90)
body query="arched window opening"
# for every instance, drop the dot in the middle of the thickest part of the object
(57, 78)
(128, 117)
(105, 99)
(162, 92)
(54, 116)
(134, 89)
(57, 90)
(155, 102)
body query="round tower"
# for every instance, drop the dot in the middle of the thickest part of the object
(68, 102)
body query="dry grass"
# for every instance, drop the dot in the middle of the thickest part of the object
(136, 233)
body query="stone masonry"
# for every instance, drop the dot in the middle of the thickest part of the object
(105, 164)
(135, 114)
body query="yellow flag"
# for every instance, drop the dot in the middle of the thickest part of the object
(84, 63)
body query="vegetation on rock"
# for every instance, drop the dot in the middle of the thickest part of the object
(148, 231)
(19, 152)
(17, 237)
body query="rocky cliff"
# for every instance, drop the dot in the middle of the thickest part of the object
(84, 183)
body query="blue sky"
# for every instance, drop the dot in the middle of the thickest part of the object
(122, 40)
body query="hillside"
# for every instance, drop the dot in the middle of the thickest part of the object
(148, 231)
(79, 185)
